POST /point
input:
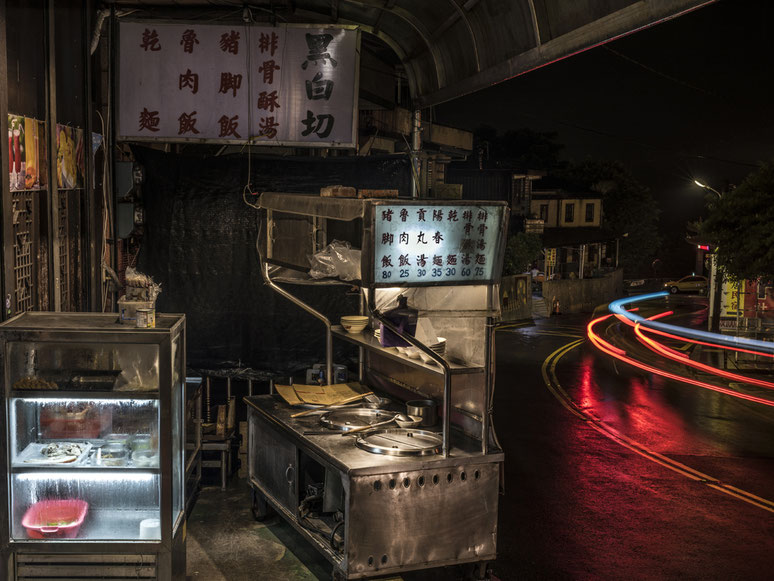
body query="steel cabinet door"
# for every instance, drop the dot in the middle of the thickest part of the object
(272, 462)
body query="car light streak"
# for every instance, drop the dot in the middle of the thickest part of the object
(606, 347)
(617, 307)
(682, 358)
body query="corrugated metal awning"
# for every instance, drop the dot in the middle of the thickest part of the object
(450, 48)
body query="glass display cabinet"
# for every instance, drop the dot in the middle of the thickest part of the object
(94, 447)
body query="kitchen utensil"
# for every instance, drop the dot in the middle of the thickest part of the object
(405, 421)
(400, 442)
(344, 420)
(427, 409)
(371, 426)
(338, 403)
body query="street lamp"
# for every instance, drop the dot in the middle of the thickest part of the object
(715, 274)
(706, 187)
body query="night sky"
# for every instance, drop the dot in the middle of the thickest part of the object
(689, 98)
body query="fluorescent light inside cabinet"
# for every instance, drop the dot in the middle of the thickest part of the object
(91, 476)
(67, 400)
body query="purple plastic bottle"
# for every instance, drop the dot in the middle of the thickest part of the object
(404, 318)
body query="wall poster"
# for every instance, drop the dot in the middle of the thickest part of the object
(27, 153)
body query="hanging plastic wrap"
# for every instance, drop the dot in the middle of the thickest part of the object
(337, 260)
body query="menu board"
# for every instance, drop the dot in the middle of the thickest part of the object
(271, 85)
(435, 244)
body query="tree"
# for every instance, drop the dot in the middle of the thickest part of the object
(521, 251)
(630, 213)
(740, 225)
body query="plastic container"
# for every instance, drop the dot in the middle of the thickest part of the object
(128, 309)
(63, 423)
(55, 519)
(112, 455)
(404, 318)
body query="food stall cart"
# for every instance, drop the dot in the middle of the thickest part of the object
(389, 499)
(93, 447)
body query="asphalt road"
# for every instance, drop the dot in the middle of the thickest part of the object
(612, 473)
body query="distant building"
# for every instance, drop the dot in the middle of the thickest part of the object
(575, 244)
(560, 209)
(512, 186)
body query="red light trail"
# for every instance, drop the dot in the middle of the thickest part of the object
(621, 355)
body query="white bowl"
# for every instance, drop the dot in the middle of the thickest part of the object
(354, 323)
(353, 328)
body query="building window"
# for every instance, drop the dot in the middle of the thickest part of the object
(544, 212)
(589, 212)
(569, 213)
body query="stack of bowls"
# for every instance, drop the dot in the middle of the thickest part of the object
(354, 324)
(438, 347)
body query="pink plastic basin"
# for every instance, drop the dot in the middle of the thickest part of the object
(55, 518)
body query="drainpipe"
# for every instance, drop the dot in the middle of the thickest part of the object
(416, 145)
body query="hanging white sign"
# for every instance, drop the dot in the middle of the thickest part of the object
(274, 85)
(435, 244)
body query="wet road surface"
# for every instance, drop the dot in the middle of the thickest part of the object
(613, 473)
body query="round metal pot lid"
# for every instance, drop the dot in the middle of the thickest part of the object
(345, 420)
(401, 442)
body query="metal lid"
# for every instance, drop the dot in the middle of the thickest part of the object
(401, 442)
(345, 420)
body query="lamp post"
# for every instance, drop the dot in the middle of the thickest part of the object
(716, 291)
(706, 187)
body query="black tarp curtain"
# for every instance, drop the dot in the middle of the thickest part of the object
(199, 243)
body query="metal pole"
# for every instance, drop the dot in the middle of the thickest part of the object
(89, 235)
(310, 310)
(361, 350)
(54, 274)
(488, 371)
(5, 189)
(411, 340)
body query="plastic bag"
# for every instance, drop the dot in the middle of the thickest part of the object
(337, 260)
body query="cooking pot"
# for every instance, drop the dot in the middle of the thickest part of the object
(426, 409)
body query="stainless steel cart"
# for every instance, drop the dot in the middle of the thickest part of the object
(94, 447)
(389, 500)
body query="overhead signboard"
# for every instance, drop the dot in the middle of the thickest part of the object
(279, 85)
(433, 244)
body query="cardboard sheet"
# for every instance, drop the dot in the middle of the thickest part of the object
(319, 394)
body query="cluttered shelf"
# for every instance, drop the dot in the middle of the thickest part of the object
(367, 340)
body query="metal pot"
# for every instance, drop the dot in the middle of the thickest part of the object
(426, 409)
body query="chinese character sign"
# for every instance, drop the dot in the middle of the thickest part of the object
(306, 87)
(433, 244)
(236, 82)
(183, 81)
